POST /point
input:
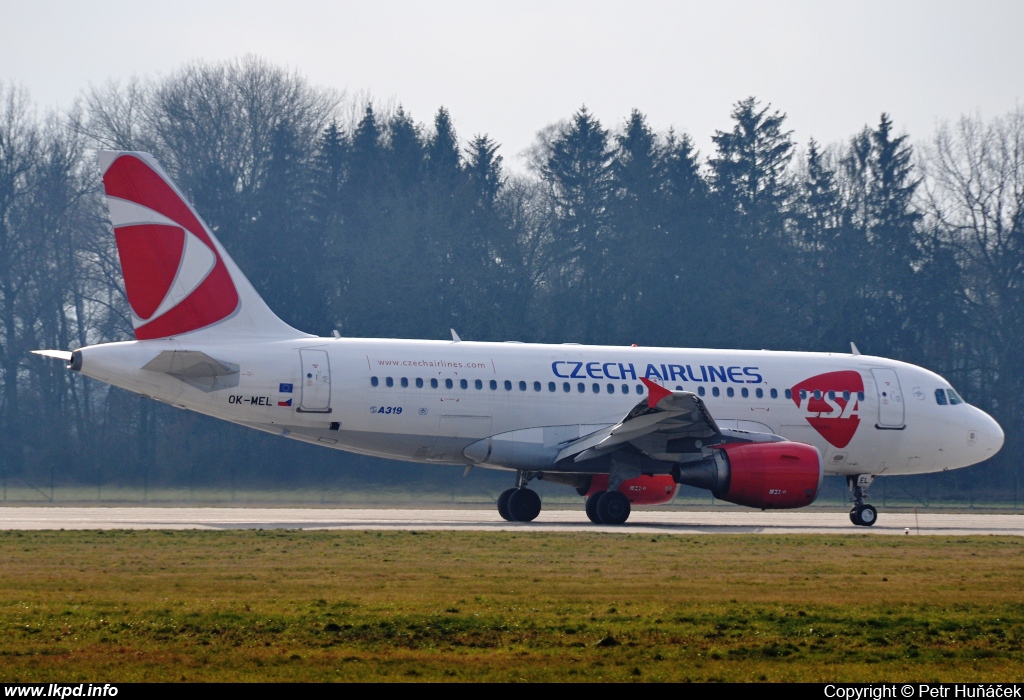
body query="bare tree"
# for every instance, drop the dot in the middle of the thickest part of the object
(975, 204)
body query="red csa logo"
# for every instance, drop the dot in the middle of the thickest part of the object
(825, 406)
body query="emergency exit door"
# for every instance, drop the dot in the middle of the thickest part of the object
(316, 382)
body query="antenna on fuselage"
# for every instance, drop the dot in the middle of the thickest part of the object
(853, 348)
(455, 336)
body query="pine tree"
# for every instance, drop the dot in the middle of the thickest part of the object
(749, 171)
(579, 175)
(483, 166)
(444, 162)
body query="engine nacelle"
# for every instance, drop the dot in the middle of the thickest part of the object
(643, 490)
(759, 475)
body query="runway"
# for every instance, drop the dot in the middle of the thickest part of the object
(641, 521)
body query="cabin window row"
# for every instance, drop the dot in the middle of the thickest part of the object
(597, 388)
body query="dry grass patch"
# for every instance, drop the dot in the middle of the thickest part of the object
(341, 605)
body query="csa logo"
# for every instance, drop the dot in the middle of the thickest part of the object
(825, 406)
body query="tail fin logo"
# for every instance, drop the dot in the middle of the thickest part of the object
(175, 279)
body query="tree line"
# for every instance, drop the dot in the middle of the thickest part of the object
(350, 215)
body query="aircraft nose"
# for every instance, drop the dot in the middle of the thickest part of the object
(990, 435)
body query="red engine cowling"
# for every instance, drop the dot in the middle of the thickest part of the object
(772, 474)
(643, 490)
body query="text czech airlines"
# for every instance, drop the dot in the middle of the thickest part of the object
(569, 369)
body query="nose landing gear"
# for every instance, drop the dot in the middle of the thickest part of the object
(862, 513)
(519, 504)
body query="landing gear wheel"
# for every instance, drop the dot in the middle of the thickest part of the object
(524, 505)
(503, 504)
(867, 515)
(855, 516)
(613, 508)
(592, 507)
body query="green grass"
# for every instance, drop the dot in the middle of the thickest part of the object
(293, 605)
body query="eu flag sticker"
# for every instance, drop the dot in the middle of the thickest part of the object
(285, 389)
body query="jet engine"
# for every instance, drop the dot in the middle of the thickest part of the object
(759, 475)
(643, 490)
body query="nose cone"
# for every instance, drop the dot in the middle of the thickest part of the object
(990, 435)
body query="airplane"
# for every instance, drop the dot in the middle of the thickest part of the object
(622, 425)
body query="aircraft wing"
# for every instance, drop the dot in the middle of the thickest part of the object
(665, 415)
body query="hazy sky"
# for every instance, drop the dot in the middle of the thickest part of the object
(510, 68)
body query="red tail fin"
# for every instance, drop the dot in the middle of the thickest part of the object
(177, 276)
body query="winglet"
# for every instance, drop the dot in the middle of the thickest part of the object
(655, 393)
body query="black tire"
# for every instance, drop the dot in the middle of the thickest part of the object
(613, 508)
(592, 507)
(524, 505)
(503, 504)
(854, 516)
(867, 514)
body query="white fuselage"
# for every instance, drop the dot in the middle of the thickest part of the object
(435, 401)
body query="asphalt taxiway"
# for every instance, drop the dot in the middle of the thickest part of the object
(641, 521)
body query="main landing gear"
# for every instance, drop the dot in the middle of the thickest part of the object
(608, 507)
(519, 504)
(862, 513)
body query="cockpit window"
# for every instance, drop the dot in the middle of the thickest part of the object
(954, 398)
(940, 397)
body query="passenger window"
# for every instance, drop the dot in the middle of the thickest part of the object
(729, 392)
(817, 395)
(508, 385)
(639, 388)
(679, 388)
(715, 391)
(493, 385)
(774, 393)
(374, 381)
(389, 381)
(405, 383)
(700, 391)
(744, 393)
(954, 398)
(419, 382)
(536, 386)
(611, 388)
(551, 386)
(832, 395)
(940, 397)
(448, 383)
(758, 392)
(789, 393)
(464, 383)
(565, 387)
(803, 394)
(597, 388)
(478, 384)
(625, 388)
(433, 384)
(846, 396)
(581, 387)
(860, 395)
(522, 386)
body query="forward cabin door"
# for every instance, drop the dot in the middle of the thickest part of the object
(316, 382)
(890, 399)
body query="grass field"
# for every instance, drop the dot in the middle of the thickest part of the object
(313, 606)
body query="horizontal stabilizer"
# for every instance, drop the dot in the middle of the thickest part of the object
(195, 368)
(57, 354)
